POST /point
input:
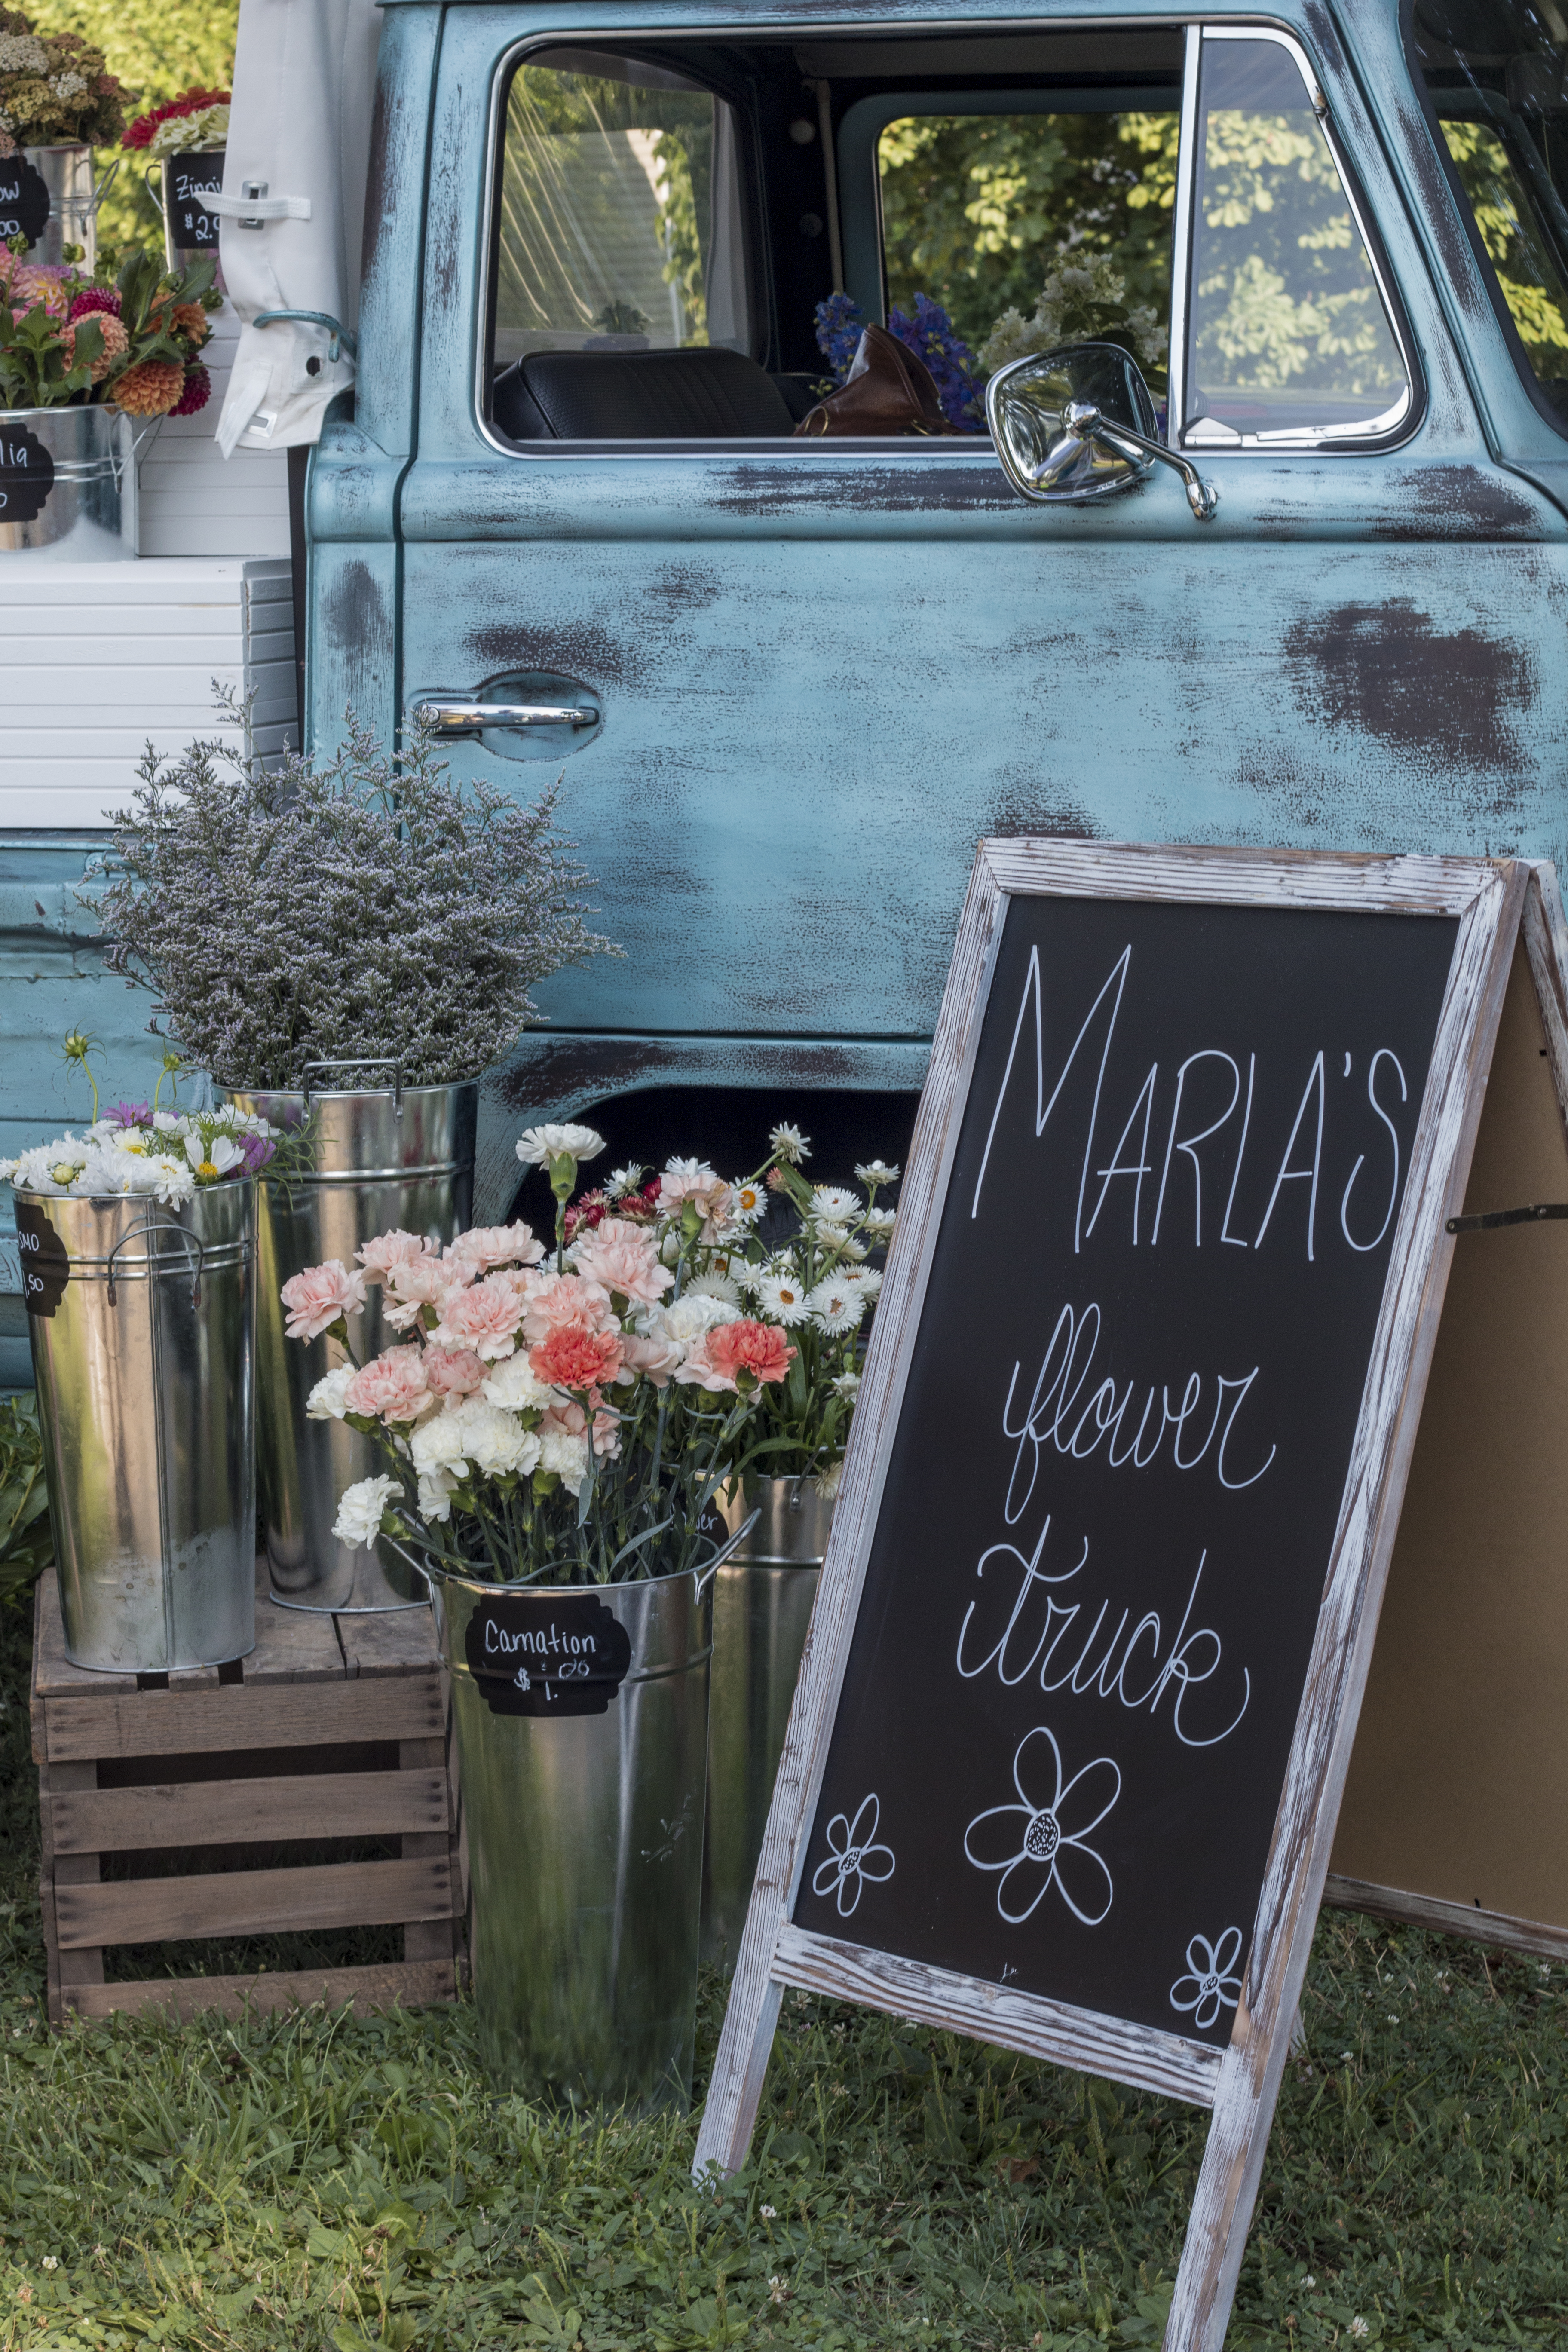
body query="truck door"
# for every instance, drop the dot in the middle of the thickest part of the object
(795, 679)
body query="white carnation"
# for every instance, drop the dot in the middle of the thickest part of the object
(692, 1314)
(516, 1387)
(358, 1522)
(435, 1495)
(439, 1443)
(537, 1146)
(496, 1441)
(568, 1455)
(328, 1401)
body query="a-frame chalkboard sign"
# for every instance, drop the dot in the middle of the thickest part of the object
(1137, 1422)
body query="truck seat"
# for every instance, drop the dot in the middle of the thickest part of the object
(702, 394)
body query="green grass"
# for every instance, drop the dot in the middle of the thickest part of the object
(314, 2181)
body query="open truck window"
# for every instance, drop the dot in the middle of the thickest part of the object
(1495, 73)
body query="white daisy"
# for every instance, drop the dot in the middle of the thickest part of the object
(877, 1225)
(746, 1202)
(835, 1306)
(834, 1204)
(838, 1241)
(877, 1171)
(865, 1279)
(783, 1297)
(714, 1286)
(623, 1180)
(786, 1143)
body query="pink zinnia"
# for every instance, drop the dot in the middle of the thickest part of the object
(379, 1256)
(453, 1372)
(319, 1297)
(484, 1316)
(392, 1386)
(621, 1257)
(572, 1358)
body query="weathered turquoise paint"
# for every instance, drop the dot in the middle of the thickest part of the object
(825, 675)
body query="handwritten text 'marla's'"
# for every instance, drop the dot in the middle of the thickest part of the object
(1149, 1186)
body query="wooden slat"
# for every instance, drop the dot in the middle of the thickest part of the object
(1364, 882)
(402, 1642)
(243, 1714)
(253, 1902)
(1148, 2059)
(396, 1984)
(220, 1812)
(1477, 1927)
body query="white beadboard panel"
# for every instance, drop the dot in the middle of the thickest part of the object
(143, 644)
(195, 501)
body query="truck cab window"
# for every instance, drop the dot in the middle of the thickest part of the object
(1494, 73)
(1030, 227)
(1289, 337)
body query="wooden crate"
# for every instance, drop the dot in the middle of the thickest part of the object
(332, 1728)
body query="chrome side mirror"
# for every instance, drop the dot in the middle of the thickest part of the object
(1077, 424)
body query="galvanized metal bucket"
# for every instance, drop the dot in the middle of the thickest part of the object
(584, 1836)
(67, 485)
(67, 172)
(141, 1319)
(395, 1157)
(762, 1598)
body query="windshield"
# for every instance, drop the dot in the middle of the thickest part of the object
(1494, 71)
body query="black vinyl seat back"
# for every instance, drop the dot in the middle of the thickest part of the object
(702, 394)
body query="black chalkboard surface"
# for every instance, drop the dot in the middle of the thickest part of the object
(1109, 1511)
(1089, 1648)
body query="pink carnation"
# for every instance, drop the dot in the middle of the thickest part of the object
(392, 1386)
(453, 1372)
(415, 1283)
(694, 1181)
(379, 1256)
(720, 1356)
(486, 1245)
(573, 1421)
(483, 1316)
(656, 1359)
(620, 1256)
(572, 1358)
(557, 1299)
(316, 1298)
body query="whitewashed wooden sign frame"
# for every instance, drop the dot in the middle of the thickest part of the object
(1239, 2084)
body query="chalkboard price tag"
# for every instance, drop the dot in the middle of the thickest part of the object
(23, 201)
(27, 474)
(191, 180)
(46, 1265)
(547, 1654)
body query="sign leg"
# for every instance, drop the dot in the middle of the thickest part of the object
(738, 2068)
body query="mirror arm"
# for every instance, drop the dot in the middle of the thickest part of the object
(1202, 497)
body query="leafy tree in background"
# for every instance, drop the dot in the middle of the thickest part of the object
(158, 48)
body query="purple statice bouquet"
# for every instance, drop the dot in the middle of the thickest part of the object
(930, 334)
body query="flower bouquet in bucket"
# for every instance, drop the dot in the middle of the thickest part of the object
(555, 1427)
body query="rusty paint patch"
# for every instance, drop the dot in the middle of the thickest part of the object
(377, 197)
(764, 491)
(1066, 821)
(1447, 230)
(1456, 502)
(354, 610)
(582, 648)
(1448, 697)
(579, 1068)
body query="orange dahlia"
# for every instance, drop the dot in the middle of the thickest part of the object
(116, 343)
(149, 389)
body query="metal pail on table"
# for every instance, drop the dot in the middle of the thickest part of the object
(396, 1158)
(141, 1319)
(762, 1598)
(67, 484)
(584, 1834)
(66, 171)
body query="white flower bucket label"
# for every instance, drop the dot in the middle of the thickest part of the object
(1132, 1448)
(547, 1654)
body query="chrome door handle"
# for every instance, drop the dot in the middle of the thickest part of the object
(453, 717)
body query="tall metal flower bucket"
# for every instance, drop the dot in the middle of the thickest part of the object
(67, 484)
(141, 1319)
(583, 1830)
(395, 1157)
(762, 1598)
(67, 173)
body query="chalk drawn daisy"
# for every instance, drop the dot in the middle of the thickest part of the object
(1039, 1842)
(1210, 1982)
(854, 1858)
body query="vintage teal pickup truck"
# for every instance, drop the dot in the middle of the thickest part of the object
(788, 681)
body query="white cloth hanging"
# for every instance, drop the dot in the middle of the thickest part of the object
(299, 140)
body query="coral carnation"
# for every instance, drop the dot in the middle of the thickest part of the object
(151, 388)
(760, 1348)
(572, 1358)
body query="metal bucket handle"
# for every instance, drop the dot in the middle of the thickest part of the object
(703, 1581)
(372, 1061)
(149, 1227)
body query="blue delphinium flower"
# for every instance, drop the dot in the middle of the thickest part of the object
(839, 327)
(932, 337)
